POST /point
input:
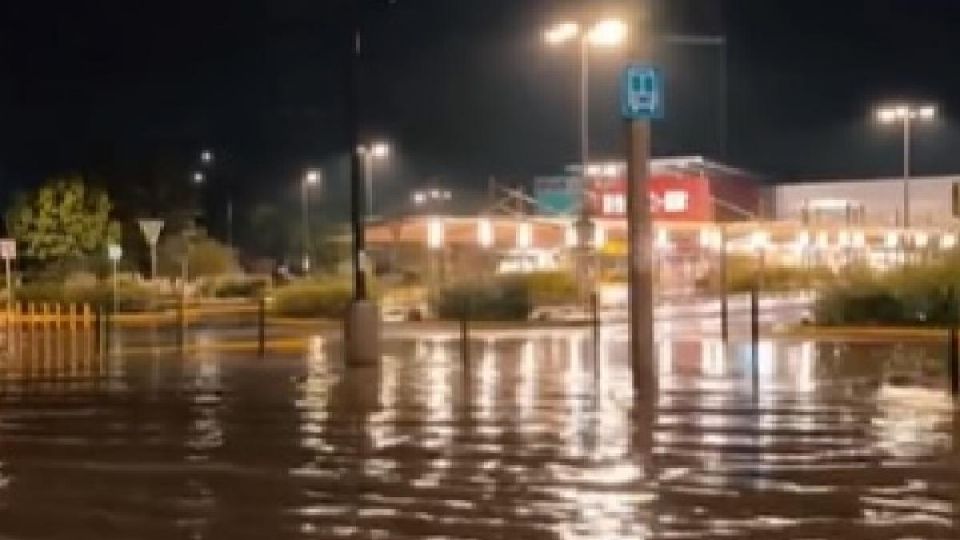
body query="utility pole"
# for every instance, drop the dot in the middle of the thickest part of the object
(362, 324)
(642, 103)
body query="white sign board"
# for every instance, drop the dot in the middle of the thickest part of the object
(8, 249)
(114, 252)
(151, 229)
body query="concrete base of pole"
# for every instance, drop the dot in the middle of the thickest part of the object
(361, 334)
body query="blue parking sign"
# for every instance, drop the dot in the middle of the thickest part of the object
(642, 93)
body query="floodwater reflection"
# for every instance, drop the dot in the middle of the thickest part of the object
(525, 438)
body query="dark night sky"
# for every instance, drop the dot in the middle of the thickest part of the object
(464, 87)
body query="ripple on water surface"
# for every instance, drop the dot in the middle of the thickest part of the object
(536, 438)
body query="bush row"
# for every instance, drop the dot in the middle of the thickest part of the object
(913, 295)
(314, 298)
(130, 296)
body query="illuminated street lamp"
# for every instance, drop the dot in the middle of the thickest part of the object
(369, 153)
(198, 178)
(607, 33)
(312, 178)
(206, 157)
(906, 115)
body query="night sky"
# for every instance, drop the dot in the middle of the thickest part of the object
(464, 88)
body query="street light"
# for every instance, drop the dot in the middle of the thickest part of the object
(377, 150)
(906, 115)
(209, 175)
(606, 33)
(313, 177)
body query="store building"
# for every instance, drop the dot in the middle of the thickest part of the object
(702, 212)
(879, 202)
(684, 189)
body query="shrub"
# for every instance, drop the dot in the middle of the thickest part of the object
(235, 287)
(500, 300)
(546, 288)
(131, 297)
(207, 257)
(312, 299)
(742, 273)
(915, 295)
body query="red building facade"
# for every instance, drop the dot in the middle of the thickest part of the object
(681, 190)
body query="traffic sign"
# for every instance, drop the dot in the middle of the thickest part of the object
(8, 249)
(642, 93)
(151, 229)
(114, 252)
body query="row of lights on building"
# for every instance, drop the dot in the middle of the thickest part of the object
(709, 238)
(759, 240)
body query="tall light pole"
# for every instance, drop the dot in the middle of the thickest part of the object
(211, 175)
(607, 33)
(370, 153)
(362, 323)
(312, 178)
(906, 115)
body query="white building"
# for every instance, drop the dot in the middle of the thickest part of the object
(868, 202)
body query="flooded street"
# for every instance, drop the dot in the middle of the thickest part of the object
(529, 438)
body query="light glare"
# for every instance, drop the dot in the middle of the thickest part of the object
(561, 33)
(928, 112)
(608, 33)
(381, 150)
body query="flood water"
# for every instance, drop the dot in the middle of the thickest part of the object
(531, 438)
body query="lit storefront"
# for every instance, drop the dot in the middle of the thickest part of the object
(702, 211)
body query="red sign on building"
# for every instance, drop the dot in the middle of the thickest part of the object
(672, 198)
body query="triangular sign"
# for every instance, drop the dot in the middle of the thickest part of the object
(151, 229)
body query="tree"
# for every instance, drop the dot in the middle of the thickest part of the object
(207, 257)
(63, 218)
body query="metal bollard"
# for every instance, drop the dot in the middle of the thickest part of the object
(755, 333)
(724, 316)
(953, 347)
(465, 332)
(101, 331)
(953, 358)
(96, 328)
(181, 321)
(595, 323)
(262, 327)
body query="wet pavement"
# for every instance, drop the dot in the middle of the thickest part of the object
(529, 438)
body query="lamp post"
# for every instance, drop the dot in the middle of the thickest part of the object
(313, 177)
(371, 152)
(362, 323)
(906, 115)
(607, 33)
(585, 231)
